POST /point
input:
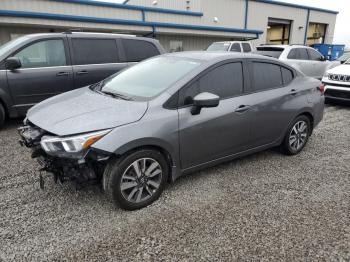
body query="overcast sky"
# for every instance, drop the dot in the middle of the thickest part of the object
(342, 28)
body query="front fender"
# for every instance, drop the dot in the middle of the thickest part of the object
(154, 129)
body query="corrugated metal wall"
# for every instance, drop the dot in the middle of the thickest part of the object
(227, 13)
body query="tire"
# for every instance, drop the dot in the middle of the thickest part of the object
(136, 180)
(2, 115)
(300, 129)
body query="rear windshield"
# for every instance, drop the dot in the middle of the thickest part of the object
(344, 57)
(270, 51)
(218, 47)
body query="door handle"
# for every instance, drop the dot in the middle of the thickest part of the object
(242, 108)
(83, 72)
(62, 74)
(293, 92)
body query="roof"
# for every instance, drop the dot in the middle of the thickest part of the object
(90, 34)
(211, 55)
(273, 2)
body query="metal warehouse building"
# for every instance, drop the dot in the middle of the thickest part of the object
(178, 24)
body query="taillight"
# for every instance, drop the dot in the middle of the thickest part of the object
(321, 88)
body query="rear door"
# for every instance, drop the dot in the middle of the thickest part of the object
(272, 97)
(215, 132)
(45, 71)
(94, 59)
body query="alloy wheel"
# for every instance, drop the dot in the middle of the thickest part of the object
(141, 180)
(298, 135)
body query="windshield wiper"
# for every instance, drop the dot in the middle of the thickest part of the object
(96, 86)
(115, 95)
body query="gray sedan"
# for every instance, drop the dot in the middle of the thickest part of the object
(169, 116)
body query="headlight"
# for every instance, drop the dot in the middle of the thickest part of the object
(70, 146)
(326, 75)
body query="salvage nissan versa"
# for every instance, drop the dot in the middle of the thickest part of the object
(171, 115)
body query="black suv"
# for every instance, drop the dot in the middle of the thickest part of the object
(36, 67)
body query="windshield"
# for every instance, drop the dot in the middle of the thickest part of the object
(149, 78)
(344, 57)
(218, 47)
(10, 45)
(269, 51)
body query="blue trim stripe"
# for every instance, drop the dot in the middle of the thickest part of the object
(297, 6)
(122, 21)
(307, 26)
(131, 7)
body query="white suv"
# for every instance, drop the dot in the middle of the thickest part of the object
(231, 46)
(305, 59)
(337, 83)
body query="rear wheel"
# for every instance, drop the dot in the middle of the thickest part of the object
(136, 180)
(297, 135)
(2, 115)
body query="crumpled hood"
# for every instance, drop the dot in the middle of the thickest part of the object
(340, 70)
(84, 110)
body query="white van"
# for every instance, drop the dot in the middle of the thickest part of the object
(231, 46)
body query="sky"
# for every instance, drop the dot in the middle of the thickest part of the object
(342, 27)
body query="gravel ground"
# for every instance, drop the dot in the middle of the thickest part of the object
(263, 207)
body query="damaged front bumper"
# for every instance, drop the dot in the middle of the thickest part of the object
(87, 169)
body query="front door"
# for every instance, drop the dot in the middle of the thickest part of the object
(215, 132)
(45, 72)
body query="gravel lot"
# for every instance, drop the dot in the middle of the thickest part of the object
(266, 206)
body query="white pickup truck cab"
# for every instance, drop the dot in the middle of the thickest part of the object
(337, 83)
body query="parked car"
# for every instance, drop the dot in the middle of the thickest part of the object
(342, 59)
(337, 83)
(36, 67)
(306, 59)
(172, 115)
(231, 46)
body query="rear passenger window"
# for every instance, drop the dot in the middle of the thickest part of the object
(224, 81)
(236, 47)
(266, 76)
(303, 54)
(138, 50)
(298, 53)
(293, 54)
(287, 75)
(246, 47)
(94, 51)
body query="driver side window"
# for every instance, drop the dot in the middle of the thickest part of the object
(314, 55)
(225, 81)
(47, 53)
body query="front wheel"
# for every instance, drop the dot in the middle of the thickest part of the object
(136, 180)
(297, 135)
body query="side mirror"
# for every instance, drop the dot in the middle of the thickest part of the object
(323, 58)
(204, 99)
(13, 63)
